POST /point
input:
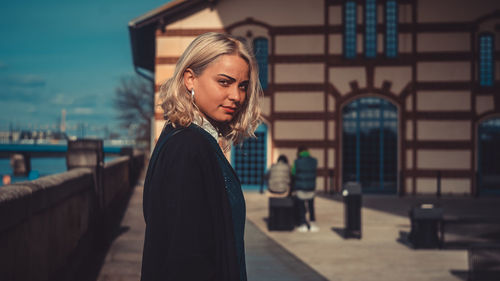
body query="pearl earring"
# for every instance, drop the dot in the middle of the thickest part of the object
(192, 93)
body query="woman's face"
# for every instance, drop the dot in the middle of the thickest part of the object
(221, 89)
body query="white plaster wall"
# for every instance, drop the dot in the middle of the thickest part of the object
(454, 10)
(331, 130)
(163, 72)
(426, 185)
(299, 101)
(444, 130)
(300, 44)
(172, 46)
(335, 44)
(427, 42)
(331, 158)
(448, 186)
(297, 73)
(331, 103)
(456, 186)
(409, 159)
(409, 130)
(443, 100)
(157, 102)
(399, 76)
(265, 106)
(409, 185)
(299, 130)
(158, 126)
(405, 13)
(443, 71)
(335, 15)
(409, 103)
(405, 42)
(297, 12)
(484, 104)
(340, 77)
(443, 159)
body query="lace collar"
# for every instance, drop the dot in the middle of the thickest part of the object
(207, 126)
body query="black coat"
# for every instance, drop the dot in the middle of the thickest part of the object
(189, 231)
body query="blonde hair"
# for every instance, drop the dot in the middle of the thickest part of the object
(178, 106)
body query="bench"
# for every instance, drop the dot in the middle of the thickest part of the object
(484, 262)
(452, 220)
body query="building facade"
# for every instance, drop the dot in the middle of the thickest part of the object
(400, 95)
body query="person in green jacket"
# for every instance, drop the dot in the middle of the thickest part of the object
(304, 173)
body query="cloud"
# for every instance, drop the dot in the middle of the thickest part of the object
(26, 80)
(83, 111)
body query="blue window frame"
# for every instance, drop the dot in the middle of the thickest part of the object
(370, 28)
(486, 60)
(369, 144)
(488, 178)
(350, 25)
(391, 29)
(260, 47)
(249, 159)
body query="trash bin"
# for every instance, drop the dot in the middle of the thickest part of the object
(352, 209)
(425, 224)
(281, 214)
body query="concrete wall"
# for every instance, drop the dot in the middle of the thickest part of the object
(49, 226)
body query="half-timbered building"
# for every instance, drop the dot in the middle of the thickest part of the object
(400, 95)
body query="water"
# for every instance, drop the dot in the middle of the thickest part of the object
(44, 166)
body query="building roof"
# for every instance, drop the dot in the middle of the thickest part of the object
(142, 29)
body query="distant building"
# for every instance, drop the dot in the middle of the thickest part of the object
(393, 94)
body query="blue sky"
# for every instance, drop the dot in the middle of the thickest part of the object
(57, 54)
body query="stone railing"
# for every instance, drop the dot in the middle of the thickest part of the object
(49, 226)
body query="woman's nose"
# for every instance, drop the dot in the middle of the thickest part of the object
(235, 95)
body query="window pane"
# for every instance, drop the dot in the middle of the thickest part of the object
(260, 46)
(391, 29)
(350, 30)
(370, 29)
(486, 62)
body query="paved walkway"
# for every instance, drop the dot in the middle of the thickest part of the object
(382, 253)
(266, 259)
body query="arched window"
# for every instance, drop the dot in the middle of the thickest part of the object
(391, 29)
(488, 175)
(260, 47)
(486, 59)
(350, 24)
(370, 28)
(250, 158)
(369, 144)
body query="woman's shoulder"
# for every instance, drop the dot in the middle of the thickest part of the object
(184, 139)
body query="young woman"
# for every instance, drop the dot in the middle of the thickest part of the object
(193, 204)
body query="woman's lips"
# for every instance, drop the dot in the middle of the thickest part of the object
(229, 109)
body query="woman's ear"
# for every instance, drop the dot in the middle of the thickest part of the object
(189, 78)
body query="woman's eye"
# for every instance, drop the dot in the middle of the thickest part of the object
(224, 82)
(244, 88)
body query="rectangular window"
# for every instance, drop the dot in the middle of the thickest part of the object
(370, 28)
(350, 25)
(391, 29)
(486, 60)
(260, 46)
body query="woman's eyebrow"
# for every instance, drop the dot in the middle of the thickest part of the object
(228, 77)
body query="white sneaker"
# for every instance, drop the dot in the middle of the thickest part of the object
(302, 228)
(313, 227)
